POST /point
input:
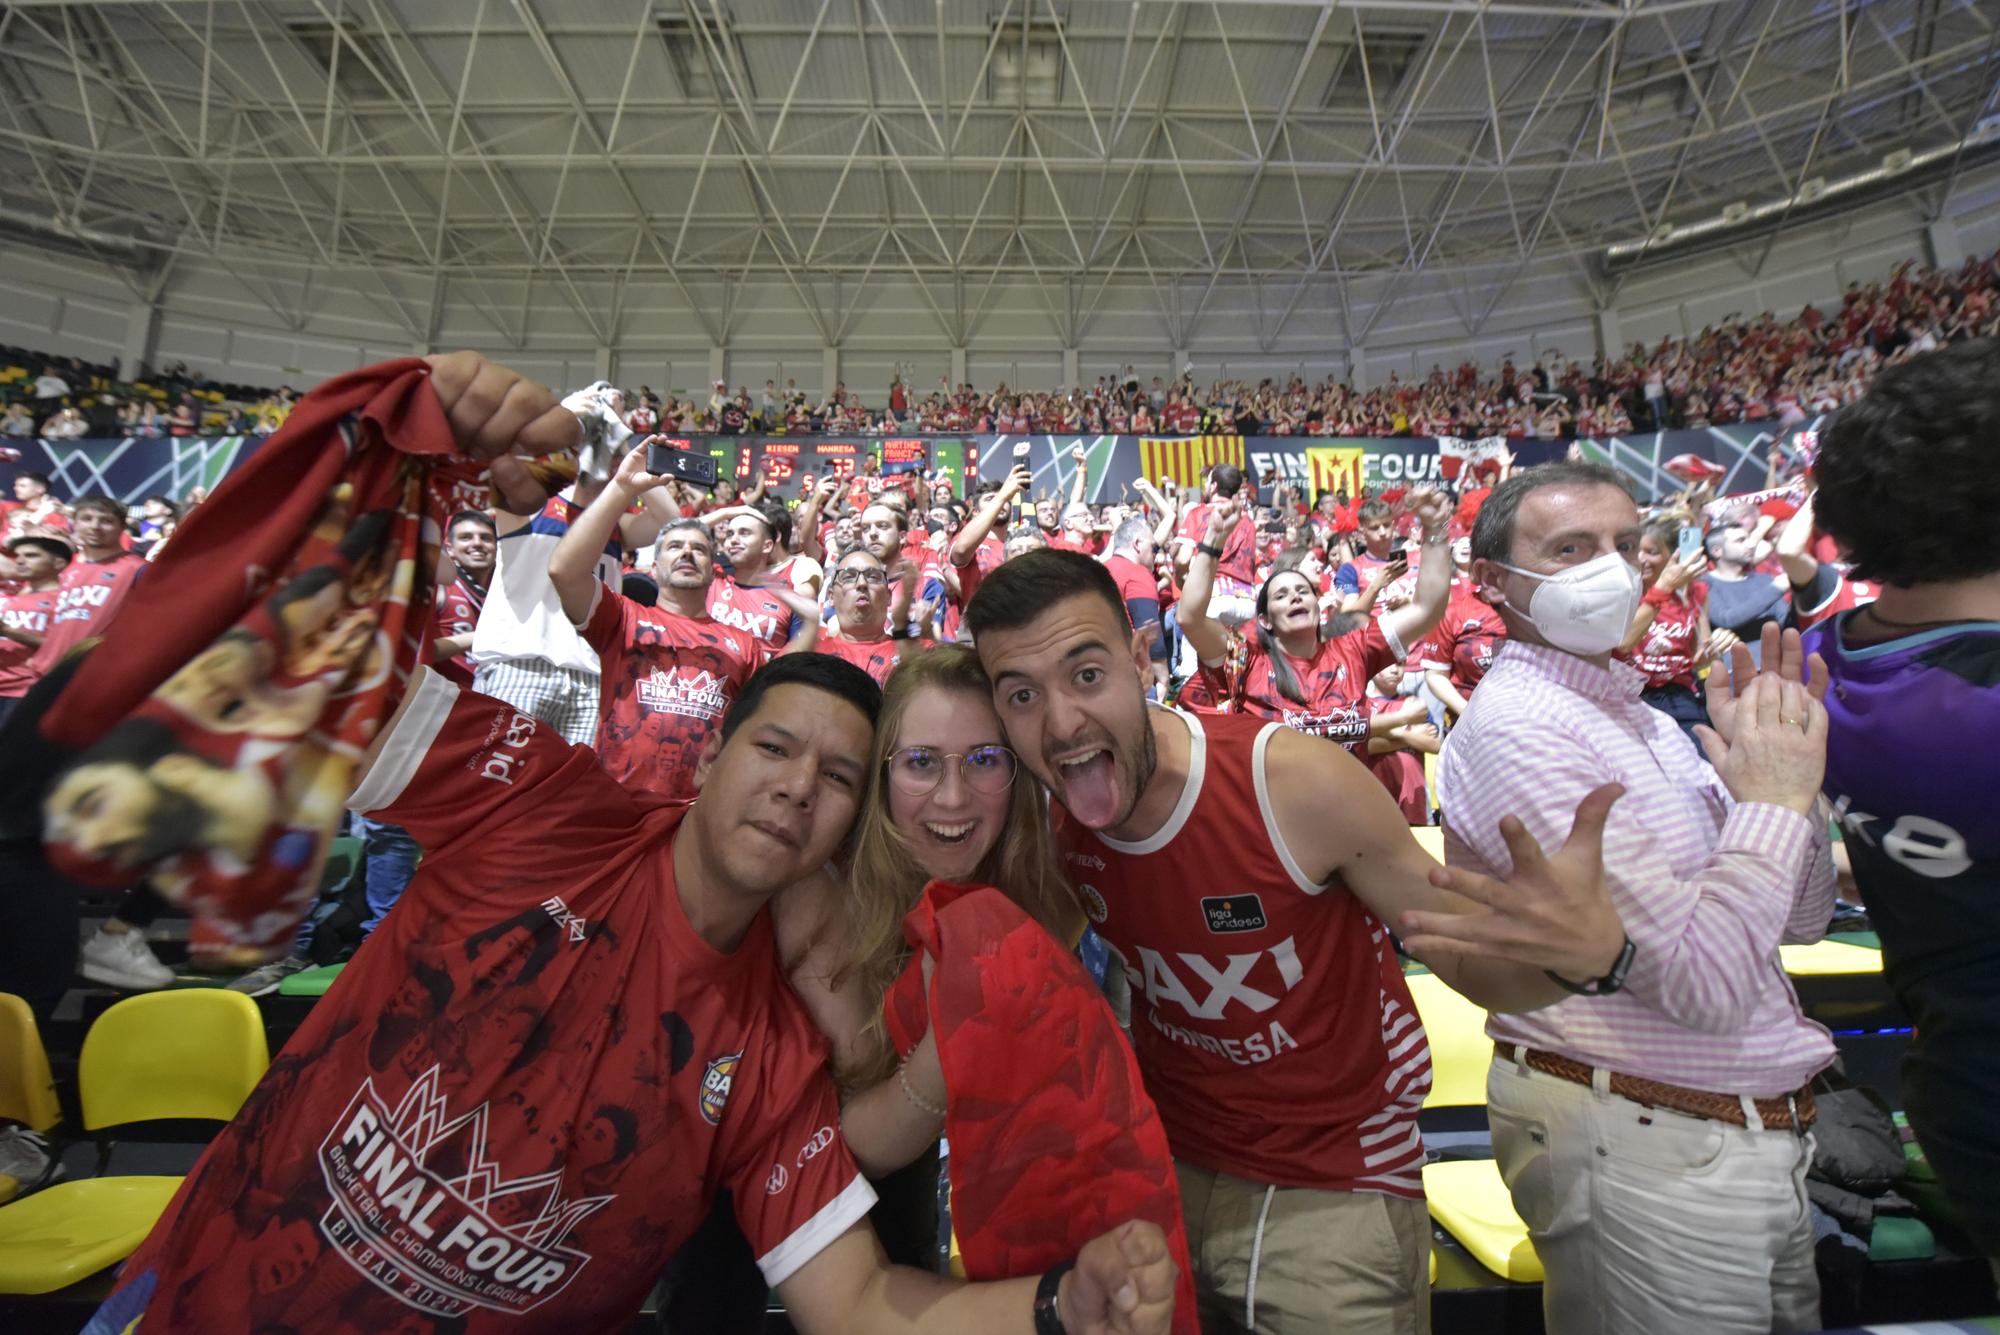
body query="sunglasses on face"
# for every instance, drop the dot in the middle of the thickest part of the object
(917, 770)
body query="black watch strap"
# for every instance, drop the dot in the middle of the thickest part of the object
(1048, 1307)
(1611, 982)
(1209, 549)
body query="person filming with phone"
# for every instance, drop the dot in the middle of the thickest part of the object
(1670, 638)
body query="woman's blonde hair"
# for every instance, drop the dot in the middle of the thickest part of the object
(884, 879)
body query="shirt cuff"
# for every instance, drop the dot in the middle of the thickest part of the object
(1766, 828)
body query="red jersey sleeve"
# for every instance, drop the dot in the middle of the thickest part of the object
(608, 628)
(795, 1184)
(485, 787)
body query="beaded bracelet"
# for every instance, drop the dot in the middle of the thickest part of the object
(903, 1079)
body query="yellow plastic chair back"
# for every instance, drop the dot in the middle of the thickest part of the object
(27, 1089)
(1470, 1199)
(1830, 957)
(1431, 839)
(1460, 1049)
(194, 1053)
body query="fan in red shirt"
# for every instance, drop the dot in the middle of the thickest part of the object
(1670, 636)
(94, 584)
(1076, 533)
(867, 604)
(976, 551)
(1456, 654)
(669, 672)
(1235, 587)
(1821, 589)
(39, 557)
(470, 542)
(755, 539)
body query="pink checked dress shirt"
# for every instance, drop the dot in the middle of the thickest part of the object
(1707, 887)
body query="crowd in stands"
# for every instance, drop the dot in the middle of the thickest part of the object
(1742, 369)
(1007, 645)
(67, 398)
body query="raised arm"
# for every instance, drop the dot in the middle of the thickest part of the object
(965, 547)
(1079, 478)
(1795, 544)
(805, 524)
(1408, 624)
(1209, 639)
(573, 564)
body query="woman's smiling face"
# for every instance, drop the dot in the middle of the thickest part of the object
(955, 825)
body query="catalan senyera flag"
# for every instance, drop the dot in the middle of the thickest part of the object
(1333, 469)
(1183, 457)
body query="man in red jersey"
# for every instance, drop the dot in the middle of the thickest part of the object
(93, 584)
(754, 538)
(1277, 1035)
(668, 671)
(871, 608)
(471, 542)
(1234, 600)
(39, 557)
(569, 1039)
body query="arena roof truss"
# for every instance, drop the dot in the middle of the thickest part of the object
(1169, 145)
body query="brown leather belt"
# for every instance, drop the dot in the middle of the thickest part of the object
(1787, 1112)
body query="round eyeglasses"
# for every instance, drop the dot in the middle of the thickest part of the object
(847, 579)
(916, 770)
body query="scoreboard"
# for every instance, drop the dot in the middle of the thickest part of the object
(905, 456)
(779, 462)
(836, 458)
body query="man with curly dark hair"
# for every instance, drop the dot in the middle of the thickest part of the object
(1909, 487)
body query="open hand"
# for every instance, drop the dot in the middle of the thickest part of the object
(1776, 752)
(1783, 657)
(1123, 1282)
(1551, 913)
(495, 411)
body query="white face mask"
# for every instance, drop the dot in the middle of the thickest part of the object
(1586, 609)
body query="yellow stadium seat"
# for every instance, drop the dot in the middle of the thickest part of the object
(1431, 838)
(1431, 777)
(1830, 957)
(1467, 1197)
(178, 1054)
(27, 1089)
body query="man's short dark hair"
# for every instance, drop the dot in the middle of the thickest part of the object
(1493, 531)
(33, 476)
(778, 518)
(685, 522)
(1025, 586)
(1228, 480)
(1909, 475)
(61, 551)
(473, 517)
(823, 672)
(1374, 512)
(99, 501)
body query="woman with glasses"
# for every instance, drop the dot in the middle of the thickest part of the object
(949, 1003)
(870, 612)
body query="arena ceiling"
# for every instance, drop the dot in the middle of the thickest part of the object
(953, 142)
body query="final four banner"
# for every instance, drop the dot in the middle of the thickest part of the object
(135, 468)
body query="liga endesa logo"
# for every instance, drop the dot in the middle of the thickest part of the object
(444, 1245)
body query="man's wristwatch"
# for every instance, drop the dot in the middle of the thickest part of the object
(1048, 1300)
(1612, 980)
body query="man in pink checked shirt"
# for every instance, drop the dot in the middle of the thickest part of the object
(1653, 1129)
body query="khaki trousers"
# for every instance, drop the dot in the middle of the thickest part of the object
(1649, 1222)
(1294, 1261)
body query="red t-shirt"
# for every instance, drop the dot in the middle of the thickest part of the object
(667, 680)
(1089, 545)
(458, 607)
(1135, 584)
(27, 611)
(1464, 641)
(1335, 683)
(1665, 653)
(761, 614)
(527, 1090)
(89, 592)
(1847, 595)
(1239, 550)
(875, 657)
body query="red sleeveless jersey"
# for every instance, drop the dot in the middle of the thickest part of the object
(1269, 1013)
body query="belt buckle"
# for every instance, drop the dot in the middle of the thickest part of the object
(1792, 1106)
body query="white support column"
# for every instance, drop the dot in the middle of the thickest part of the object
(718, 369)
(1357, 366)
(600, 364)
(142, 335)
(958, 375)
(1180, 359)
(829, 369)
(1069, 372)
(1610, 338)
(1946, 247)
